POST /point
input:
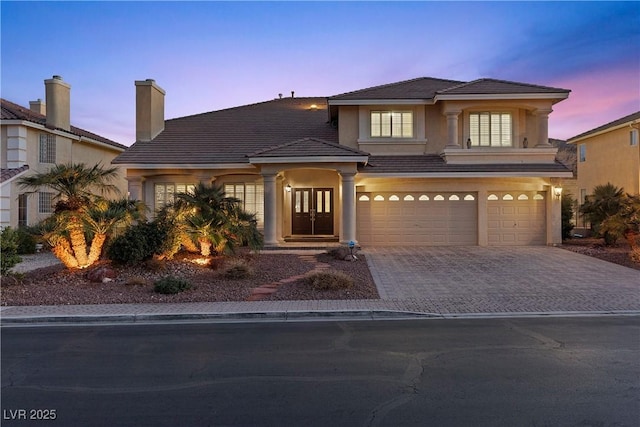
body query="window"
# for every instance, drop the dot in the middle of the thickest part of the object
(22, 210)
(392, 124)
(164, 193)
(582, 152)
(45, 203)
(633, 137)
(251, 195)
(490, 129)
(47, 148)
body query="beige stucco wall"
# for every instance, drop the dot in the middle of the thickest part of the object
(610, 158)
(90, 154)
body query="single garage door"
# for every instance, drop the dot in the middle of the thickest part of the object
(516, 218)
(414, 219)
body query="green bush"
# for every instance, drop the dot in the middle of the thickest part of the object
(328, 280)
(138, 243)
(238, 269)
(171, 285)
(567, 215)
(26, 241)
(8, 250)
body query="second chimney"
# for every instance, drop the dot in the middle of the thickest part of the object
(58, 94)
(149, 110)
(38, 106)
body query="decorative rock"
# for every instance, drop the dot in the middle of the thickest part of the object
(99, 274)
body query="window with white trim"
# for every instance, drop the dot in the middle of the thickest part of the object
(490, 129)
(251, 195)
(45, 202)
(633, 137)
(22, 210)
(392, 124)
(165, 193)
(47, 148)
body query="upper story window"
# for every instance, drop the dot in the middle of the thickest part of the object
(633, 137)
(47, 148)
(582, 152)
(490, 129)
(392, 124)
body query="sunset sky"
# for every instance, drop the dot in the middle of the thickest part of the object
(214, 55)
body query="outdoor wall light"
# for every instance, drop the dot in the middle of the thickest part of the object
(557, 191)
(288, 188)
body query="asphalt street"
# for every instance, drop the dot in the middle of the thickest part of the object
(575, 371)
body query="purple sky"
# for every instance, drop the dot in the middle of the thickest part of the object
(214, 55)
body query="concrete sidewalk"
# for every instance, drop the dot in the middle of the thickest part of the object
(428, 282)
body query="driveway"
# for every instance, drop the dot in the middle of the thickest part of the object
(471, 279)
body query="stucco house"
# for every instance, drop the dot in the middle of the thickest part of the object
(32, 140)
(609, 153)
(419, 162)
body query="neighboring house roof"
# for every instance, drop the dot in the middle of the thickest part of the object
(8, 174)
(434, 164)
(11, 111)
(228, 136)
(427, 88)
(609, 126)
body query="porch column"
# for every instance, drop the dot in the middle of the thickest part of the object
(348, 207)
(270, 212)
(452, 129)
(554, 217)
(543, 127)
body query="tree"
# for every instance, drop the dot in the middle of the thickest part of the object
(625, 222)
(605, 202)
(213, 221)
(80, 209)
(567, 215)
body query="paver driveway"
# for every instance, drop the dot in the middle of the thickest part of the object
(503, 280)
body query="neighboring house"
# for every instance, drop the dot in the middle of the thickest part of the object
(609, 154)
(32, 140)
(418, 162)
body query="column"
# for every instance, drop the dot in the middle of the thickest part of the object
(452, 129)
(348, 207)
(554, 217)
(270, 211)
(543, 127)
(483, 219)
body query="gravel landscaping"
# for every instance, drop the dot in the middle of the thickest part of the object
(55, 285)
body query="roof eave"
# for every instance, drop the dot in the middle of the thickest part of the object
(558, 174)
(591, 134)
(499, 96)
(382, 101)
(309, 159)
(189, 166)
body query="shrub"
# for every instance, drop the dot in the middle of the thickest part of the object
(138, 243)
(8, 250)
(328, 280)
(26, 241)
(171, 285)
(635, 255)
(239, 269)
(567, 215)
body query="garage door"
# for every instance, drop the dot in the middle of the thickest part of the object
(516, 218)
(415, 219)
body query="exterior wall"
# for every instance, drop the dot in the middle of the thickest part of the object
(610, 158)
(3, 147)
(82, 152)
(348, 126)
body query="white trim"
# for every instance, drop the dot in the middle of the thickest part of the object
(62, 133)
(465, 175)
(498, 96)
(309, 159)
(382, 101)
(185, 166)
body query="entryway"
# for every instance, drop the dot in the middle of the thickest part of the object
(312, 212)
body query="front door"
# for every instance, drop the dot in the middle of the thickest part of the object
(312, 211)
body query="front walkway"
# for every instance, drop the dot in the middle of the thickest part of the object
(434, 281)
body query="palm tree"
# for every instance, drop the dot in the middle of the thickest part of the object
(75, 187)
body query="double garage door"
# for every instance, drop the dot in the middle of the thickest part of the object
(448, 218)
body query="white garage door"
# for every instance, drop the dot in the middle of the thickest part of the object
(415, 219)
(516, 218)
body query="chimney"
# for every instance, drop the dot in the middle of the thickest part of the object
(58, 95)
(149, 110)
(38, 107)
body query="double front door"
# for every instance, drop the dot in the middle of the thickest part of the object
(312, 211)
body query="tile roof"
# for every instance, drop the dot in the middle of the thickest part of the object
(631, 117)
(11, 111)
(429, 88)
(308, 147)
(7, 174)
(420, 88)
(433, 163)
(227, 136)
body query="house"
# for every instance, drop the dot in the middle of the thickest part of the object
(609, 153)
(420, 162)
(35, 138)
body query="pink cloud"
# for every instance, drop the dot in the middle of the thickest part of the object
(597, 97)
